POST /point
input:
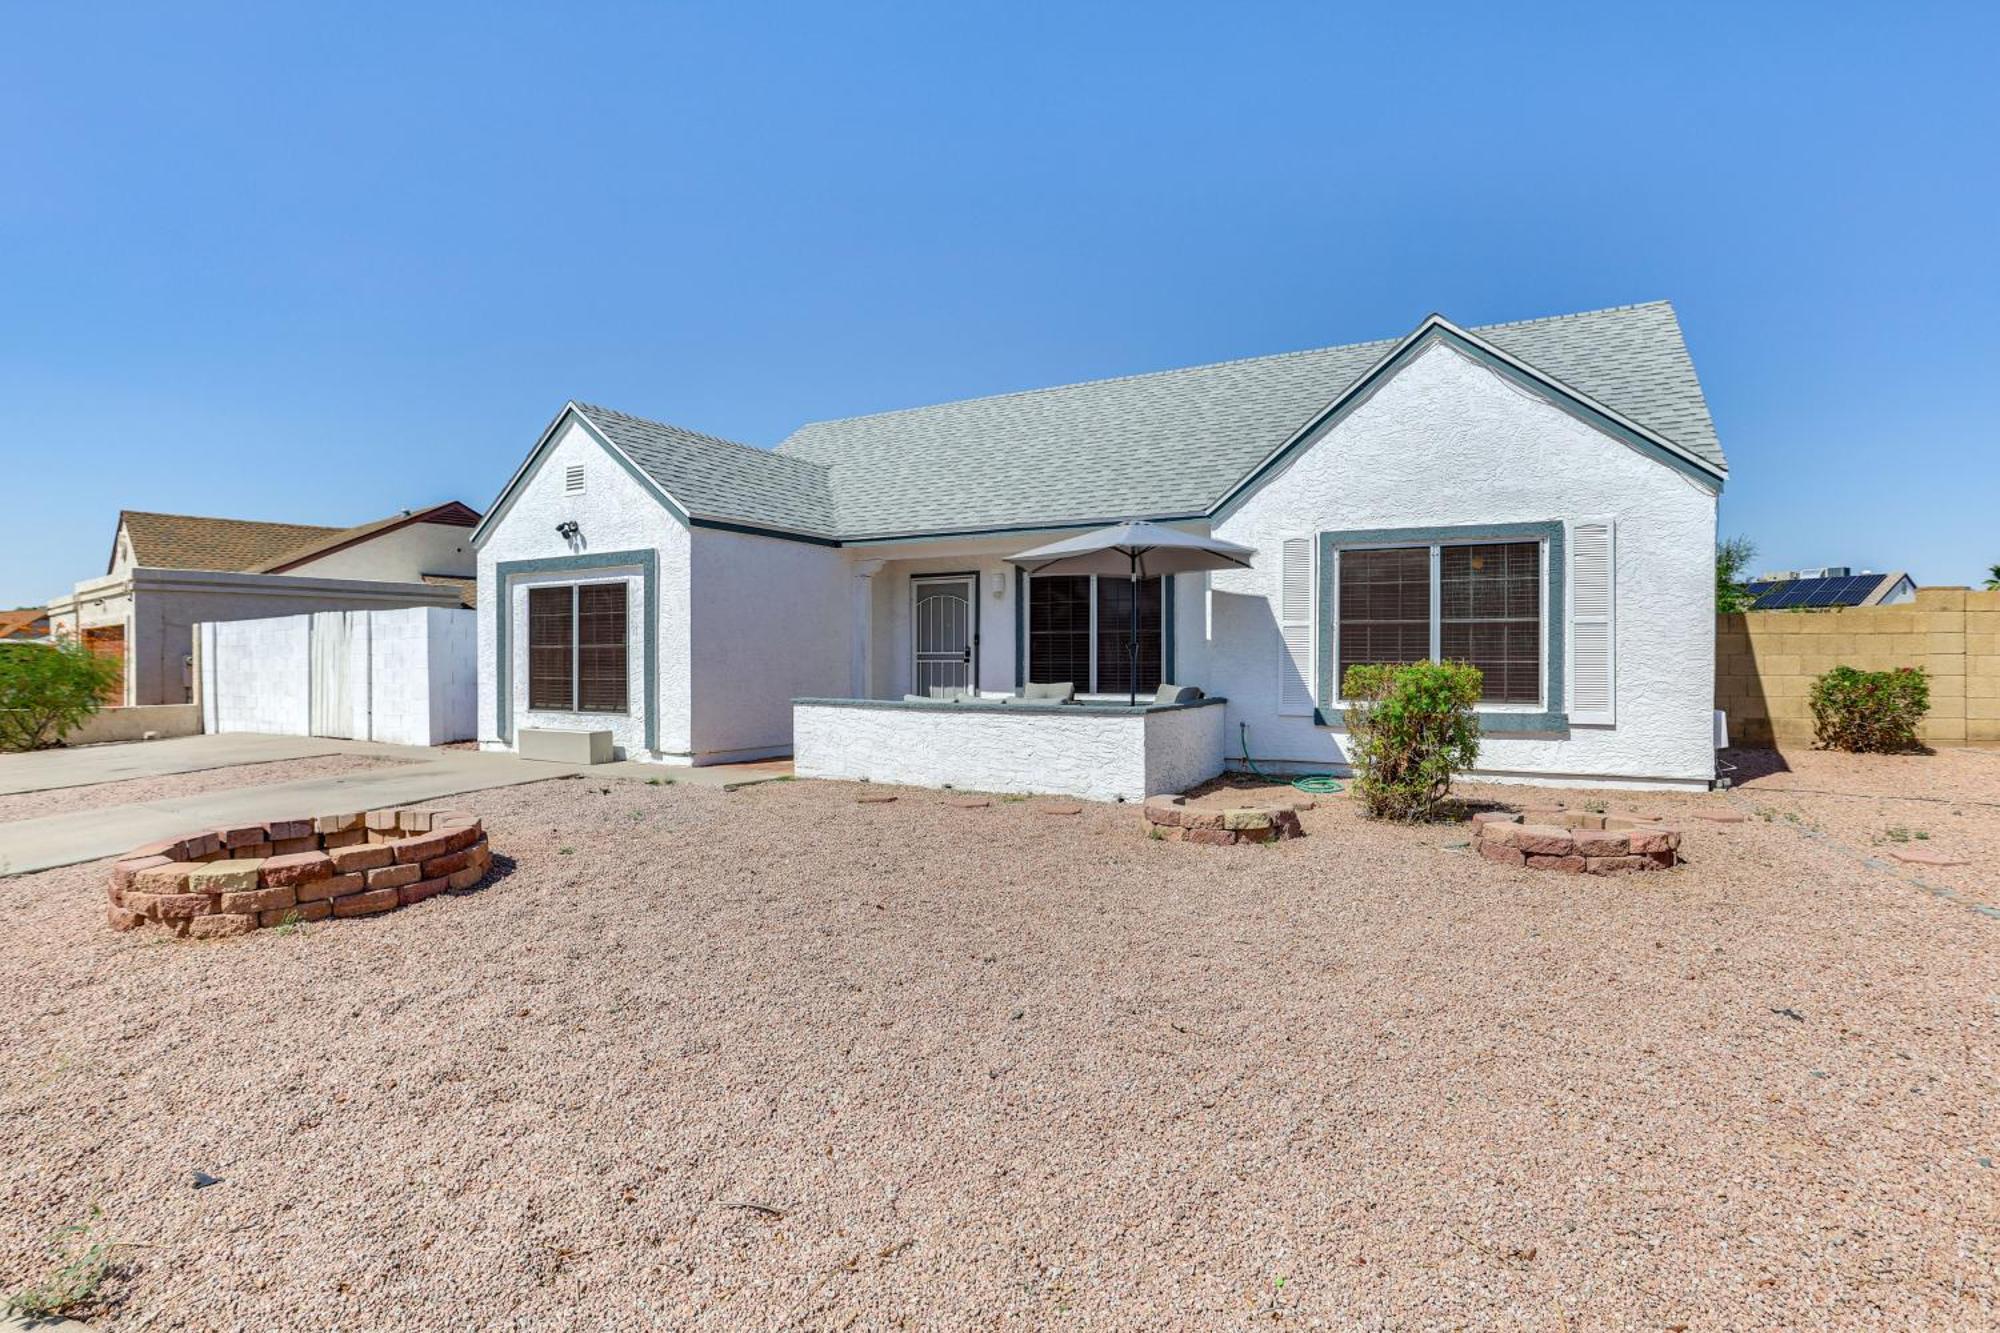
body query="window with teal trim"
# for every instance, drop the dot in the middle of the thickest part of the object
(1469, 601)
(1385, 606)
(1490, 614)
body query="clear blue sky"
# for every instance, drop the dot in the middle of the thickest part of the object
(319, 263)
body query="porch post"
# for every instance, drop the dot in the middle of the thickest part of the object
(861, 660)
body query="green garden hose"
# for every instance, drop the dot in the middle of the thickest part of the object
(1314, 784)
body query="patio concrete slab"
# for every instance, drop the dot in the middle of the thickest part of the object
(426, 775)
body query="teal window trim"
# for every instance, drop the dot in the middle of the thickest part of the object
(1553, 716)
(506, 571)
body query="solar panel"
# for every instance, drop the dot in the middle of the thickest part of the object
(1814, 594)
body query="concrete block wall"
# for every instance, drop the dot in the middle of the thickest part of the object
(1766, 662)
(262, 675)
(411, 676)
(399, 677)
(454, 674)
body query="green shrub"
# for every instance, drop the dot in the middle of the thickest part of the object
(1870, 712)
(1410, 728)
(47, 689)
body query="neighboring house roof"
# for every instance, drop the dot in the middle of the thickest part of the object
(468, 589)
(29, 622)
(452, 514)
(1175, 443)
(184, 541)
(1821, 594)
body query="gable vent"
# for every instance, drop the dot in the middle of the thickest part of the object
(573, 479)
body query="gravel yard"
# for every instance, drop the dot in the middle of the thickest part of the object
(62, 800)
(774, 1058)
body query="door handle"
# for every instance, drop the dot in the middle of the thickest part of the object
(968, 654)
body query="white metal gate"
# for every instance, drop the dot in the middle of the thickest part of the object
(942, 633)
(332, 694)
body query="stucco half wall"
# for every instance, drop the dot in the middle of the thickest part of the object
(1101, 752)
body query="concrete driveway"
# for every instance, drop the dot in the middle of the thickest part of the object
(422, 775)
(47, 770)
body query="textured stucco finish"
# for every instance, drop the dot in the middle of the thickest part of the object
(1100, 756)
(772, 621)
(614, 513)
(1448, 443)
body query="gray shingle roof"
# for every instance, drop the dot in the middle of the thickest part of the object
(721, 479)
(1167, 443)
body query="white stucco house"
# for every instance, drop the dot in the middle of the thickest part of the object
(1538, 498)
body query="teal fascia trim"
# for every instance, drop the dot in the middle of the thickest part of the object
(751, 530)
(1553, 717)
(1547, 388)
(548, 441)
(648, 563)
(1167, 630)
(1014, 529)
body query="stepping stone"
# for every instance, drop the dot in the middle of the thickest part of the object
(1917, 857)
(873, 799)
(1720, 816)
(971, 802)
(1060, 809)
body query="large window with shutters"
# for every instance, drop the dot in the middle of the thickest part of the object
(1476, 602)
(1080, 631)
(578, 651)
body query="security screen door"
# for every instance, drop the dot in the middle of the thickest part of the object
(941, 632)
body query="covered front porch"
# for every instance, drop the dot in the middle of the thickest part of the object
(935, 617)
(975, 668)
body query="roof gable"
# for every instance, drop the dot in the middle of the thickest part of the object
(722, 480)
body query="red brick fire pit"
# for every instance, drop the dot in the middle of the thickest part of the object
(230, 881)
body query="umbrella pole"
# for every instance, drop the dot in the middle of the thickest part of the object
(1133, 679)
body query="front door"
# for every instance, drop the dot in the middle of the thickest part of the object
(943, 632)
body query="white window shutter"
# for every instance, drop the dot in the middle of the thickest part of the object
(1593, 676)
(1295, 614)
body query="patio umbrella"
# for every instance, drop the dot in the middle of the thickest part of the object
(1139, 550)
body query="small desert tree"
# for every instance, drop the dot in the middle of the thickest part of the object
(1732, 559)
(1412, 728)
(47, 689)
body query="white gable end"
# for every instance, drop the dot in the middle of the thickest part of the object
(1447, 443)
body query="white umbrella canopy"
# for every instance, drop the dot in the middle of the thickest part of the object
(1137, 549)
